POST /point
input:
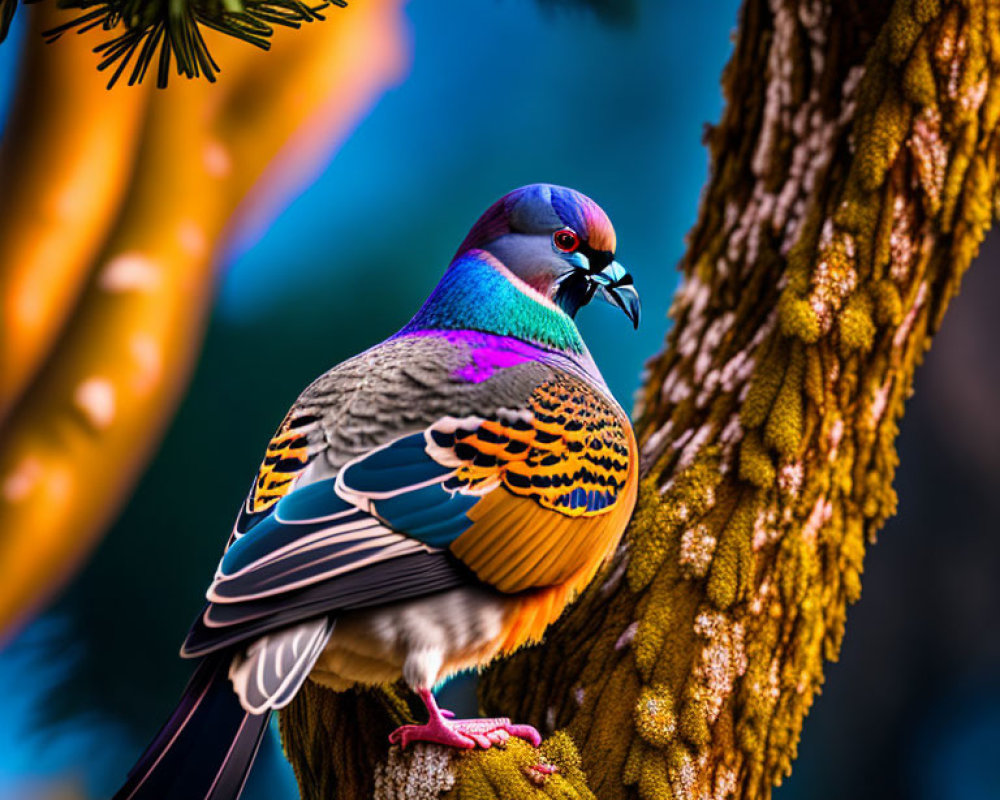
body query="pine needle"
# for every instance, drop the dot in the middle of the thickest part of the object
(168, 31)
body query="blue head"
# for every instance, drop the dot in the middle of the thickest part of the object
(559, 243)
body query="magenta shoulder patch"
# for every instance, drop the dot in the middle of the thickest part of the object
(489, 353)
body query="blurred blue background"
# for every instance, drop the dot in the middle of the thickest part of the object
(502, 93)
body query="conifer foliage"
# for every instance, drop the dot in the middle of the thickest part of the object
(169, 33)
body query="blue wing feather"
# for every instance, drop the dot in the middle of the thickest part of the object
(287, 524)
(432, 514)
(313, 502)
(394, 468)
(340, 543)
(406, 488)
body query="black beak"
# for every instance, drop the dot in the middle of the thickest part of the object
(615, 286)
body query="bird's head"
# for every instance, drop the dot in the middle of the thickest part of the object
(558, 242)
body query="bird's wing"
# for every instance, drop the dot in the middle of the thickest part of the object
(526, 498)
(289, 453)
(396, 476)
(311, 554)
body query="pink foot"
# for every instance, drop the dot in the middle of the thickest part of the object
(463, 733)
(539, 773)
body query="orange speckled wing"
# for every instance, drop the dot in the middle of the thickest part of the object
(288, 453)
(558, 481)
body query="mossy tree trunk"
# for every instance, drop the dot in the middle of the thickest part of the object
(854, 174)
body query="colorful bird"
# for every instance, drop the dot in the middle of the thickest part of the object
(425, 507)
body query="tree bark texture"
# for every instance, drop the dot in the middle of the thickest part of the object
(854, 174)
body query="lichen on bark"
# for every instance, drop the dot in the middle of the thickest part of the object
(854, 174)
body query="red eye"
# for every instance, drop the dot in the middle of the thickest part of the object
(566, 240)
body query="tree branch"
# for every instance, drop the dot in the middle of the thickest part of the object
(854, 174)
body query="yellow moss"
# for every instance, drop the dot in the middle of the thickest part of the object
(784, 423)
(662, 516)
(881, 138)
(756, 465)
(955, 174)
(800, 257)
(729, 576)
(723, 579)
(758, 690)
(797, 317)
(856, 327)
(655, 720)
(918, 77)
(947, 36)
(888, 303)
(992, 15)
(852, 555)
(693, 722)
(903, 32)
(973, 71)
(743, 521)
(653, 778)
(882, 244)
(682, 771)
(608, 733)
(814, 382)
(653, 516)
(559, 749)
(853, 215)
(925, 10)
(991, 105)
(764, 386)
(633, 763)
(791, 573)
(651, 636)
(748, 738)
(977, 209)
(508, 774)
(879, 497)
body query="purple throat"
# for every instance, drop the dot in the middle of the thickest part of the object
(489, 353)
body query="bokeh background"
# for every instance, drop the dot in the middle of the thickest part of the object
(495, 94)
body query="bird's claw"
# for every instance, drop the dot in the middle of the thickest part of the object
(464, 733)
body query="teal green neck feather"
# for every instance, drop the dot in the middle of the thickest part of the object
(473, 295)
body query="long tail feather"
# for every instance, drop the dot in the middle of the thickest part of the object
(204, 751)
(267, 676)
